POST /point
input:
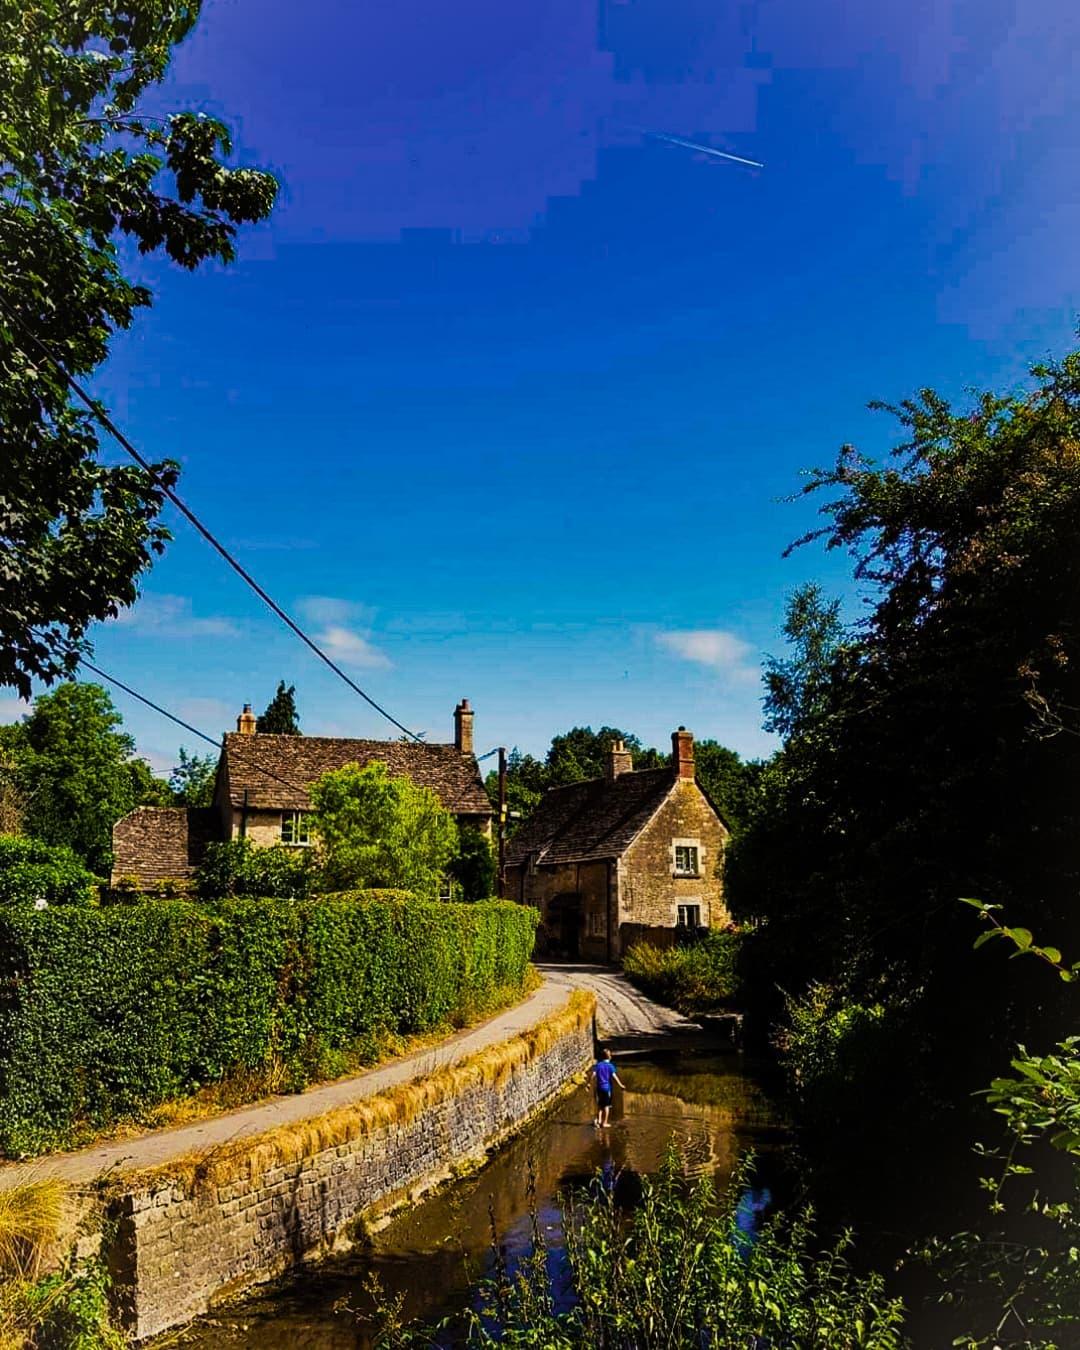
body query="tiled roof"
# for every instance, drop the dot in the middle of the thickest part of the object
(599, 818)
(259, 763)
(162, 843)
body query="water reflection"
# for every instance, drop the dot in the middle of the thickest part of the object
(715, 1107)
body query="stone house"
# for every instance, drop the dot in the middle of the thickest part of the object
(624, 857)
(261, 794)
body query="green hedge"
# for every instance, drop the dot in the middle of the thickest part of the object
(107, 1012)
(35, 875)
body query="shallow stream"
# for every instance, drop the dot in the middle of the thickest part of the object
(716, 1106)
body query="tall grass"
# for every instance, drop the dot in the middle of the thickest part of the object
(698, 979)
(30, 1217)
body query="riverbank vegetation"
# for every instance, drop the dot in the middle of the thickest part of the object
(685, 1268)
(697, 979)
(931, 752)
(107, 1012)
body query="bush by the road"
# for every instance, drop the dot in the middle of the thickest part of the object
(106, 1013)
(34, 875)
(695, 979)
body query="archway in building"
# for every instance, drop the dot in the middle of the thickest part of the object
(565, 922)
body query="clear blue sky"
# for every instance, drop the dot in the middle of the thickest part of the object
(504, 398)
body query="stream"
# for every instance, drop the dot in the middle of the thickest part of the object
(716, 1106)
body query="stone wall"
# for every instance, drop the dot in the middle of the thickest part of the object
(204, 1227)
(586, 880)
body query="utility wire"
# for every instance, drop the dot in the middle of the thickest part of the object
(103, 418)
(268, 773)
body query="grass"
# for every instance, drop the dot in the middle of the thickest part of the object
(695, 980)
(30, 1217)
(248, 1158)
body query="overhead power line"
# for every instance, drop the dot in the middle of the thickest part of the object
(103, 418)
(220, 745)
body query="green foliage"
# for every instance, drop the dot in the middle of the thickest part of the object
(192, 780)
(676, 1275)
(695, 979)
(931, 749)
(34, 875)
(146, 790)
(75, 768)
(81, 172)
(374, 830)
(105, 1013)
(69, 1310)
(280, 717)
(240, 868)
(473, 870)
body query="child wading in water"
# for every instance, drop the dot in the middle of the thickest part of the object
(604, 1074)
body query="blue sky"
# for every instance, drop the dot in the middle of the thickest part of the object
(504, 400)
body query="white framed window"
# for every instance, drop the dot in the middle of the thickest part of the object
(446, 888)
(295, 829)
(686, 860)
(689, 916)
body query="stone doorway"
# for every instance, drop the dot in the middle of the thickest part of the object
(565, 921)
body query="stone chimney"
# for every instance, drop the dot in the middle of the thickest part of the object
(246, 722)
(463, 719)
(682, 752)
(618, 760)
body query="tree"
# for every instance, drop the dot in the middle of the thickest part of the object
(280, 717)
(582, 753)
(82, 172)
(730, 782)
(374, 830)
(76, 771)
(933, 757)
(192, 780)
(146, 789)
(474, 869)
(798, 687)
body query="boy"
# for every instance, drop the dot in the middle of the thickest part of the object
(604, 1074)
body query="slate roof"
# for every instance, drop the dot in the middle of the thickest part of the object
(259, 764)
(599, 818)
(162, 843)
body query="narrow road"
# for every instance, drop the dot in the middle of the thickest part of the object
(623, 1013)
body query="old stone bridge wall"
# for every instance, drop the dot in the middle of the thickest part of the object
(187, 1235)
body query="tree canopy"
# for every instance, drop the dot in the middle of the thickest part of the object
(81, 170)
(378, 831)
(931, 750)
(280, 717)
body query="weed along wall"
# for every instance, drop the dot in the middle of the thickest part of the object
(186, 1235)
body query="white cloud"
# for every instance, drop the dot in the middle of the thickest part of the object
(171, 616)
(723, 652)
(345, 633)
(345, 645)
(13, 709)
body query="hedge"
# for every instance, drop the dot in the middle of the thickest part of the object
(35, 875)
(105, 1013)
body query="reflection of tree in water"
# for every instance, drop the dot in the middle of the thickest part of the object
(707, 1082)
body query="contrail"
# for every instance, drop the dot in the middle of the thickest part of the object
(704, 149)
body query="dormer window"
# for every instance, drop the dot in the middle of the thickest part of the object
(295, 829)
(686, 860)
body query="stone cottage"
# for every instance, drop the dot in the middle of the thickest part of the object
(624, 857)
(261, 793)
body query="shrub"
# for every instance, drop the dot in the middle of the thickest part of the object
(678, 1272)
(473, 870)
(34, 874)
(698, 979)
(106, 1013)
(240, 868)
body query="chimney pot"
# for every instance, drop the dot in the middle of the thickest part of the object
(682, 753)
(463, 727)
(247, 722)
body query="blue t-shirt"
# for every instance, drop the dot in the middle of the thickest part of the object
(605, 1072)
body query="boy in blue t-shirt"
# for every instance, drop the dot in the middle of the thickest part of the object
(604, 1074)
